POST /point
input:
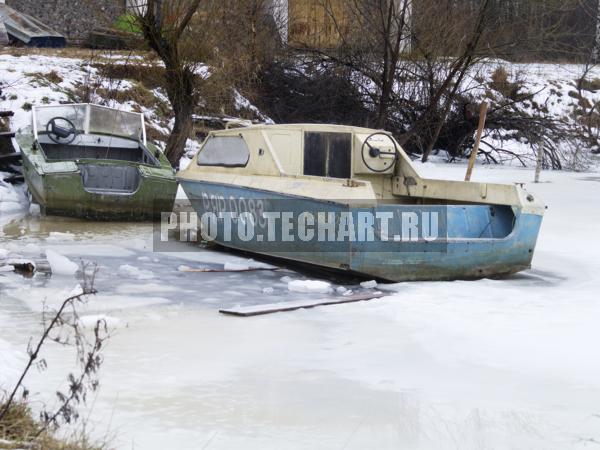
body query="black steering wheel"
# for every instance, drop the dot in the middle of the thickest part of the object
(61, 135)
(374, 152)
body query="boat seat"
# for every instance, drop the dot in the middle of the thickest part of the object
(61, 152)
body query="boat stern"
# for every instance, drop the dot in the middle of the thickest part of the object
(102, 191)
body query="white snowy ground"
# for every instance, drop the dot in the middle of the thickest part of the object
(504, 364)
(22, 86)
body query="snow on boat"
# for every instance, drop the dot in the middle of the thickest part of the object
(349, 199)
(94, 162)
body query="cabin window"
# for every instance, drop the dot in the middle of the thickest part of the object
(227, 151)
(327, 154)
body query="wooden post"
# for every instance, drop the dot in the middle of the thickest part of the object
(473, 158)
(540, 161)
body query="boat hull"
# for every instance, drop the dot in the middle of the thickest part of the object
(59, 190)
(482, 240)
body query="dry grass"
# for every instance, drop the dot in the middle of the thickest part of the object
(45, 79)
(501, 83)
(151, 76)
(589, 85)
(137, 94)
(74, 52)
(18, 430)
(54, 77)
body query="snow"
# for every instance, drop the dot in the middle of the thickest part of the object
(192, 147)
(309, 286)
(91, 321)
(12, 200)
(38, 299)
(11, 360)
(61, 265)
(24, 83)
(146, 288)
(369, 284)
(128, 271)
(21, 84)
(233, 267)
(242, 103)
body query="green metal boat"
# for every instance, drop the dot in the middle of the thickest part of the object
(94, 162)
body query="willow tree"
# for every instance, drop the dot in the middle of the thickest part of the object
(166, 26)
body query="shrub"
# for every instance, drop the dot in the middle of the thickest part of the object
(127, 23)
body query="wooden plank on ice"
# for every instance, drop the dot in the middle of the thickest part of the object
(210, 270)
(272, 308)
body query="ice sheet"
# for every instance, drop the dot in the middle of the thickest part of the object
(490, 364)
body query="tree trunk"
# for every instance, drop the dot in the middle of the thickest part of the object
(182, 129)
(445, 112)
(596, 49)
(165, 40)
(180, 90)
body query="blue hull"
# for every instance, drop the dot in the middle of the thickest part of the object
(480, 240)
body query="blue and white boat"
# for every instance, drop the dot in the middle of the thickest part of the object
(349, 199)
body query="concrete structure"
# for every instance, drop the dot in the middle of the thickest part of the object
(72, 18)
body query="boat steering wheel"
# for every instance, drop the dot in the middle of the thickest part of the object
(374, 152)
(61, 135)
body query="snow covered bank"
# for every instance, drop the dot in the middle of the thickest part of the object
(13, 202)
(11, 361)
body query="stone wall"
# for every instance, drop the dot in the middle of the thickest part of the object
(72, 18)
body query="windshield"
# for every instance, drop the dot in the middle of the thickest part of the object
(92, 119)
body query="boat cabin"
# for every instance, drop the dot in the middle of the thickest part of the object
(333, 162)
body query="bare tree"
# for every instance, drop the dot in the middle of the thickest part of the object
(458, 69)
(166, 29)
(411, 71)
(374, 53)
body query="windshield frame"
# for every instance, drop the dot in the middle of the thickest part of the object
(88, 113)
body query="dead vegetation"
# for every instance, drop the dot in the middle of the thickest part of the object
(501, 83)
(150, 75)
(18, 428)
(45, 79)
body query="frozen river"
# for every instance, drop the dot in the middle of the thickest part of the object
(492, 364)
